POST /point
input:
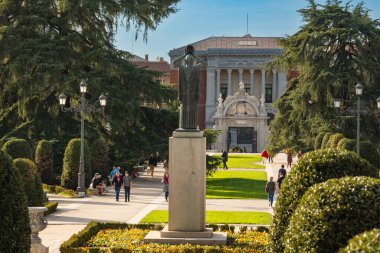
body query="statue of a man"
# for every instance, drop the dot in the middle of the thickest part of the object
(188, 92)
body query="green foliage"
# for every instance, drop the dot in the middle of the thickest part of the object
(69, 177)
(107, 237)
(99, 157)
(51, 206)
(211, 136)
(334, 139)
(18, 148)
(31, 181)
(336, 47)
(350, 145)
(341, 143)
(369, 151)
(368, 242)
(212, 163)
(318, 141)
(44, 158)
(15, 229)
(56, 189)
(325, 140)
(315, 167)
(331, 213)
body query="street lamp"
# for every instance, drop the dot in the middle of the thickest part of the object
(82, 107)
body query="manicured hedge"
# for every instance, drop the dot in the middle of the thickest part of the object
(56, 189)
(315, 167)
(350, 145)
(331, 213)
(45, 161)
(121, 237)
(99, 158)
(369, 151)
(341, 143)
(31, 181)
(69, 177)
(318, 141)
(51, 206)
(325, 140)
(334, 139)
(368, 242)
(18, 148)
(14, 223)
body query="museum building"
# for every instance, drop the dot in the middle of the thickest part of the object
(236, 89)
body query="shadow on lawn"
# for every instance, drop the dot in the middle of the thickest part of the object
(236, 188)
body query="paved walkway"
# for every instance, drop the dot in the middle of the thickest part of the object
(146, 195)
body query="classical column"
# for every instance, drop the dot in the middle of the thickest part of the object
(251, 80)
(274, 86)
(217, 82)
(210, 95)
(281, 82)
(263, 83)
(240, 75)
(229, 89)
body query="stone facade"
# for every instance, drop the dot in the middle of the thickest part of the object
(231, 61)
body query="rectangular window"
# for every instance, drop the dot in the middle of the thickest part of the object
(268, 93)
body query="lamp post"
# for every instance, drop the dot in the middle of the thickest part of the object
(83, 107)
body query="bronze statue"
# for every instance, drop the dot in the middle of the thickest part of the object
(188, 92)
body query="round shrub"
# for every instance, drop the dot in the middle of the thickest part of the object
(314, 167)
(368, 241)
(369, 151)
(331, 213)
(325, 140)
(15, 229)
(31, 181)
(45, 161)
(18, 148)
(318, 141)
(69, 177)
(350, 145)
(99, 157)
(334, 139)
(341, 143)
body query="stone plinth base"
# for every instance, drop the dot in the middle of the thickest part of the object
(218, 238)
(39, 248)
(186, 234)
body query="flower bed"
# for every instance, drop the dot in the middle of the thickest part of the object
(121, 237)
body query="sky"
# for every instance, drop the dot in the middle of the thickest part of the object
(199, 19)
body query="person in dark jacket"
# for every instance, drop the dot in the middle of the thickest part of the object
(117, 182)
(152, 163)
(225, 159)
(270, 188)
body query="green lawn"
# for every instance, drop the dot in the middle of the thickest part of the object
(244, 161)
(217, 217)
(236, 185)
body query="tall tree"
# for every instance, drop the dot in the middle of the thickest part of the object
(336, 48)
(49, 46)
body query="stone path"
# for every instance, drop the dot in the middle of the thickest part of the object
(146, 195)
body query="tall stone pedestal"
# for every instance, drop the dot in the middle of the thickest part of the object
(37, 224)
(187, 194)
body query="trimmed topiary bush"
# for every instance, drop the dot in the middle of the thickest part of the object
(341, 143)
(334, 139)
(368, 242)
(31, 181)
(45, 161)
(69, 177)
(369, 151)
(18, 148)
(325, 140)
(99, 157)
(14, 223)
(331, 213)
(350, 145)
(318, 141)
(314, 167)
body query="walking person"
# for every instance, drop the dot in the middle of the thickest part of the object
(152, 163)
(299, 155)
(127, 181)
(280, 180)
(290, 160)
(270, 188)
(165, 181)
(117, 182)
(225, 159)
(282, 171)
(265, 156)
